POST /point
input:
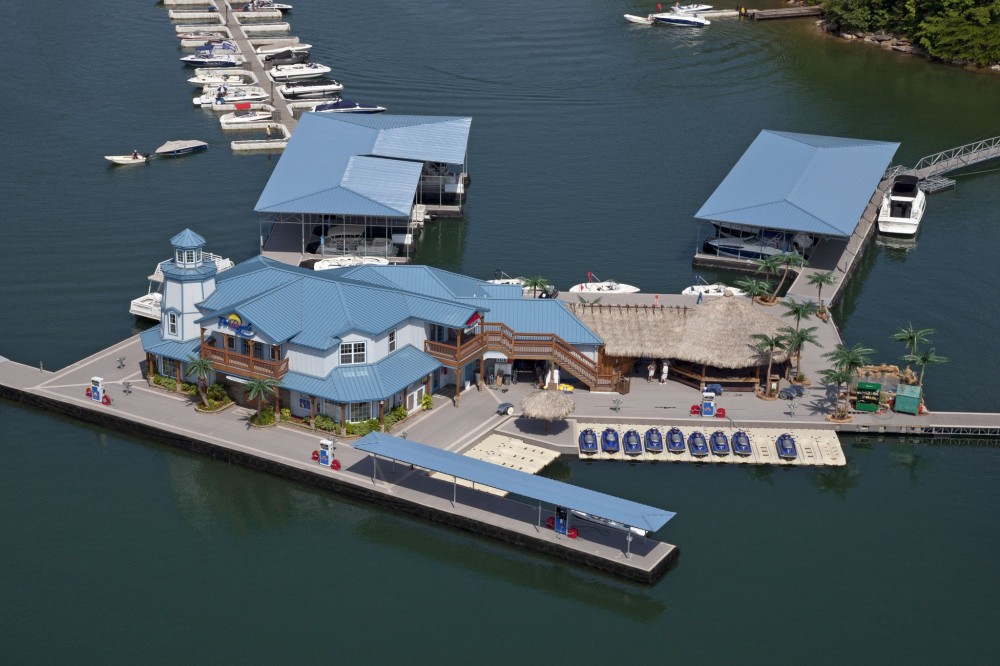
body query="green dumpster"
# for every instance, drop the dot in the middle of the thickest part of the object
(908, 399)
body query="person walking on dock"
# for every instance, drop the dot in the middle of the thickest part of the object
(665, 369)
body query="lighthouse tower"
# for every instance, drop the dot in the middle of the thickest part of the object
(187, 281)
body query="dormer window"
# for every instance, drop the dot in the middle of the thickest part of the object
(352, 353)
(392, 341)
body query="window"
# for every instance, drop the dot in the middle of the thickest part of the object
(360, 411)
(352, 352)
(230, 342)
(189, 257)
(169, 367)
(172, 323)
(392, 341)
(245, 346)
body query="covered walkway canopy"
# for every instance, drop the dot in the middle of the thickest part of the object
(800, 183)
(626, 512)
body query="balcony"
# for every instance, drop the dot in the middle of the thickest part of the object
(225, 360)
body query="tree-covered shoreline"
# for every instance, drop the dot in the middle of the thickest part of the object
(960, 31)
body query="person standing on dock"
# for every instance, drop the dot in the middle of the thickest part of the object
(665, 369)
(267, 130)
(652, 371)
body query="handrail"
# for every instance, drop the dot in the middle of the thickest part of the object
(227, 359)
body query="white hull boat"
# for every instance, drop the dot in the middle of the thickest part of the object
(147, 306)
(682, 19)
(213, 60)
(902, 208)
(755, 247)
(181, 147)
(703, 288)
(246, 117)
(220, 77)
(641, 20)
(347, 106)
(594, 286)
(234, 96)
(347, 261)
(304, 70)
(127, 160)
(306, 89)
(267, 50)
(608, 523)
(203, 35)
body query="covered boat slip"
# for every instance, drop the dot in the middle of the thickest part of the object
(604, 508)
(381, 173)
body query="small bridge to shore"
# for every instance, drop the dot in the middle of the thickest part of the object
(931, 169)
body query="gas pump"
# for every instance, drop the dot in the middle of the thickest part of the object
(326, 451)
(96, 391)
(708, 403)
(561, 520)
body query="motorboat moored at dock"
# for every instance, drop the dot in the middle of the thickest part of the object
(632, 443)
(265, 50)
(681, 19)
(318, 87)
(213, 59)
(285, 57)
(232, 96)
(181, 147)
(609, 441)
(592, 286)
(203, 35)
(588, 442)
(608, 523)
(703, 288)
(754, 247)
(347, 106)
(786, 447)
(148, 305)
(244, 116)
(208, 76)
(302, 70)
(902, 207)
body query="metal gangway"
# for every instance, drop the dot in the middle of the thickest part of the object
(931, 169)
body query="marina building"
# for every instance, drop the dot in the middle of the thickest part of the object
(362, 185)
(354, 343)
(792, 192)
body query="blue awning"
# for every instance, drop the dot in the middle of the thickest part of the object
(557, 493)
(153, 343)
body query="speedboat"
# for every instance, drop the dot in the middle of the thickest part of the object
(588, 442)
(607, 522)
(632, 443)
(653, 441)
(786, 447)
(181, 147)
(716, 289)
(675, 441)
(218, 46)
(347, 106)
(754, 247)
(213, 59)
(697, 444)
(285, 57)
(593, 286)
(741, 443)
(302, 70)
(321, 87)
(609, 440)
(234, 96)
(684, 19)
(902, 208)
(221, 77)
(244, 116)
(690, 9)
(204, 35)
(265, 5)
(148, 305)
(265, 50)
(127, 160)
(720, 443)
(347, 261)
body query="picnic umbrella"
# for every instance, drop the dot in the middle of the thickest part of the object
(548, 406)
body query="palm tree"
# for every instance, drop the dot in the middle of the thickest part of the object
(923, 359)
(755, 289)
(200, 367)
(796, 339)
(849, 359)
(821, 280)
(534, 283)
(769, 265)
(787, 261)
(799, 309)
(768, 343)
(259, 389)
(912, 337)
(838, 377)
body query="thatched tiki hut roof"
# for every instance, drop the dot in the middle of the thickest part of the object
(717, 333)
(547, 405)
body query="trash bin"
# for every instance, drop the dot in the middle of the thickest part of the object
(624, 385)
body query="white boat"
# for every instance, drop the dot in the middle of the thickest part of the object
(902, 207)
(302, 70)
(217, 77)
(267, 50)
(213, 59)
(244, 116)
(203, 35)
(261, 5)
(689, 9)
(310, 88)
(642, 20)
(232, 96)
(595, 286)
(703, 288)
(348, 260)
(337, 105)
(754, 247)
(606, 522)
(148, 305)
(181, 147)
(218, 46)
(128, 160)
(683, 19)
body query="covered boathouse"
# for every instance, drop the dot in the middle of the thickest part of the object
(354, 343)
(788, 193)
(362, 185)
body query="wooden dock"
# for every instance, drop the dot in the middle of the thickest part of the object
(784, 13)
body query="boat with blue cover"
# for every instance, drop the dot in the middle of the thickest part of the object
(588, 442)
(632, 443)
(675, 441)
(720, 443)
(786, 447)
(653, 441)
(741, 443)
(609, 440)
(697, 444)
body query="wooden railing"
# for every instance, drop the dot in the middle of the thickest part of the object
(228, 361)
(539, 346)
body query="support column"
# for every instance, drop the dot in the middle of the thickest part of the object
(312, 411)
(381, 415)
(277, 404)
(343, 416)
(427, 384)
(180, 365)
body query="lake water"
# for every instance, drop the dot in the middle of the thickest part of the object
(593, 143)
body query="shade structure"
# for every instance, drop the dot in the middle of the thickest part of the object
(547, 405)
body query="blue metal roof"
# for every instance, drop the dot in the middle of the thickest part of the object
(430, 281)
(631, 514)
(360, 165)
(187, 240)
(363, 383)
(537, 315)
(801, 183)
(153, 343)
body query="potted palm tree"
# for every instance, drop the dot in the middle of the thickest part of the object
(769, 265)
(849, 360)
(757, 290)
(821, 280)
(799, 309)
(839, 377)
(769, 344)
(795, 340)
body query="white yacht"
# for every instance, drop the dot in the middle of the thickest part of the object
(148, 306)
(595, 286)
(902, 208)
